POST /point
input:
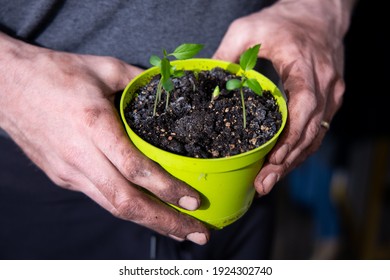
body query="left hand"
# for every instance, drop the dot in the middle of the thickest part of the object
(304, 41)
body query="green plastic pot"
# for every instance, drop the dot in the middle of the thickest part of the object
(225, 184)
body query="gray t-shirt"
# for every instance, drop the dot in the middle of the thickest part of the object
(129, 30)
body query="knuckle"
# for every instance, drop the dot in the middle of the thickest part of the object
(306, 94)
(135, 168)
(139, 211)
(312, 132)
(64, 177)
(181, 224)
(238, 23)
(65, 174)
(294, 135)
(292, 159)
(130, 209)
(110, 65)
(286, 166)
(100, 115)
(91, 115)
(339, 90)
(175, 228)
(340, 85)
(113, 69)
(72, 156)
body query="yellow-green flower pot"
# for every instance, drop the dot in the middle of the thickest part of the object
(226, 184)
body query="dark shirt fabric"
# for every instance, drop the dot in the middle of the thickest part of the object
(128, 30)
(39, 220)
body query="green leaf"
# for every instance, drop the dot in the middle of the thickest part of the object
(216, 92)
(168, 85)
(254, 85)
(186, 51)
(178, 73)
(233, 84)
(155, 60)
(249, 57)
(172, 69)
(165, 69)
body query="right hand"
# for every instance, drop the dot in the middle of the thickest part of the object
(304, 41)
(58, 107)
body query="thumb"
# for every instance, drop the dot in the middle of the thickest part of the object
(131, 71)
(114, 73)
(230, 48)
(124, 73)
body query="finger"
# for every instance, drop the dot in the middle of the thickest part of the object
(271, 173)
(301, 89)
(268, 176)
(298, 157)
(300, 107)
(315, 132)
(312, 136)
(134, 166)
(72, 179)
(310, 141)
(126, 201)
(152, 213)
(302, 132)
(302, 104)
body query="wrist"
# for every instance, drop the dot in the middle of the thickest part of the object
(13, 53)
(14, 50)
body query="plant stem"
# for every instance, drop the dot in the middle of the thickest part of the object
(158, 97)
(243, 108)
(167, 101)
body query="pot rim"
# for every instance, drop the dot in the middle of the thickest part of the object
(204, 64)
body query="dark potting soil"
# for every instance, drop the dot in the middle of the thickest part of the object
(194, 125)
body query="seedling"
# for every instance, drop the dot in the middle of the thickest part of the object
(184, 51)
(247, 62)
(215, 94)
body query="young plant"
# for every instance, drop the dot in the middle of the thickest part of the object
(215, 93)
(247, 62)
(184, 51)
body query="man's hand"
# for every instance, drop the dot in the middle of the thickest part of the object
(58, 107)
(304, 41)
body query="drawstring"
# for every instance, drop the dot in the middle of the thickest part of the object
(153, 247)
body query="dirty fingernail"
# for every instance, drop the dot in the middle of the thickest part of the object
(281, 154)
(189, 203)
(270, 181)
(176, 238)
(197, 237)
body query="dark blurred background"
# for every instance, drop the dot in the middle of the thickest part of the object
(337, 206)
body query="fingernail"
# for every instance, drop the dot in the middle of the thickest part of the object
(176, 238)
(281, 154)
(197, 237)
(270, 181)
(189, 203)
